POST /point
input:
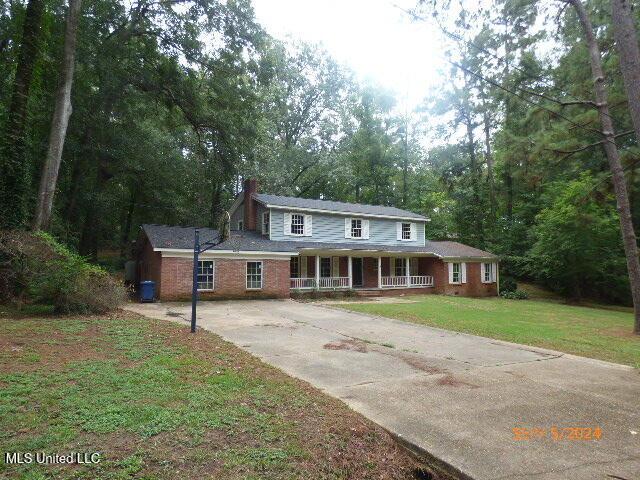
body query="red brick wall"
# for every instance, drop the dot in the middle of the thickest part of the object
(229, 282)
(474, 286)
(370, 272)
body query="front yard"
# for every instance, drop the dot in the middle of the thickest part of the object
(600, 333)
(158, 402)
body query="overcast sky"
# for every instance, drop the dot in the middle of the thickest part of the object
(372, 37)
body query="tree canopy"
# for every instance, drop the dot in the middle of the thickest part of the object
(175, 102)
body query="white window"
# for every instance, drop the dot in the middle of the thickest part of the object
(206, 275)
(325, 267)
(295, 267)
(406, 231)
(297, 224)
(488, 272)
(265, 223)
(356, 228)
(457, 272)
(254, 275)
(456, 276)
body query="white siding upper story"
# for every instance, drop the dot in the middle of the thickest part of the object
(336, 228)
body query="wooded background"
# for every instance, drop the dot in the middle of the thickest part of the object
(176, 101)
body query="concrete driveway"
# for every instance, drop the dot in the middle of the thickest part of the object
(456, 396)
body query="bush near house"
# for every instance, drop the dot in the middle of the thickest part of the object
(35, 268)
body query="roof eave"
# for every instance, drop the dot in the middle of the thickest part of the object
(346, 214)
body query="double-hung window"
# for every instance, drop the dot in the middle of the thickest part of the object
(254, 275)
(456, 275)
(205, 275)
(297, 224)
(488, 273)
(406, 231)
(265, 223)
(356, 228)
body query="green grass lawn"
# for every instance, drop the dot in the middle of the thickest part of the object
(591, 332)
(158, 402)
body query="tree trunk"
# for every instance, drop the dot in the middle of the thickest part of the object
(489, 158)
(626, 41)
(128, 221)
(13, 164)
(611, 150)
(61, 114)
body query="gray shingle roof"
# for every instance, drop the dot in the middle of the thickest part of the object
(456, 249)
(165, 236)
(340, 207)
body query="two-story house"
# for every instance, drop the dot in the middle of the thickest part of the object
(279, 245)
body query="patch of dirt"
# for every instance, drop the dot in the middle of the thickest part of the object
(451, 381)
(353, 345)
(420, 364)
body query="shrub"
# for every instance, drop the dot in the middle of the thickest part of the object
(36, 268)
(508, 284)
(515, 295)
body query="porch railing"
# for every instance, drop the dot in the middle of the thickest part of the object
(303, 283)
(334, 282)
(325, 282)
(414, 281)
(421, 281)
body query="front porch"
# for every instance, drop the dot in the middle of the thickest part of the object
(328, 272)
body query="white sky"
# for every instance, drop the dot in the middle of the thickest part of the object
(372, 37)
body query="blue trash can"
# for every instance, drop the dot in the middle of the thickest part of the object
(147, 291)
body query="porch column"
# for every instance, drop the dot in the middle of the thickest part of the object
(350, 274)
(407, 272)
(379, 272)
(317, 272)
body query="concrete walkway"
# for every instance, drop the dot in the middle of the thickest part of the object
(456, 396)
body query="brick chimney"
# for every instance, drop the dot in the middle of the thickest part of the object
(250, 187)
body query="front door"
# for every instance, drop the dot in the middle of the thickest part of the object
(356, 267)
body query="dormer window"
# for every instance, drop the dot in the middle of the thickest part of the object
(265, 223)
(297, 224)
(356, 228)
(406, 231)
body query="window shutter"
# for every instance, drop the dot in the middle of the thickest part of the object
(463, 272)
(308, 230)
(365, 229)
(347, 228)
(264, 232)
(483, 270)
(335, 268)
(450, 265)
(398, 230)
(303, 267)
(287, 223)
(414, 233)
(392, 266)
(494, 273)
